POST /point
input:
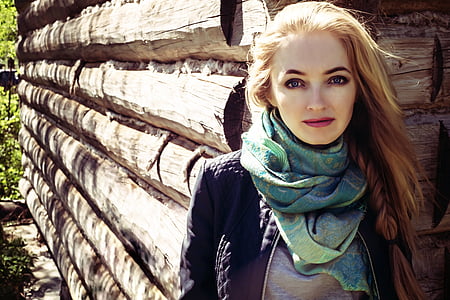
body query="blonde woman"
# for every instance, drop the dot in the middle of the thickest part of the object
(317, 204)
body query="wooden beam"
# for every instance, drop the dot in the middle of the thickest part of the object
(144, 31)
(98, 279)
(126, 271)
(140, 223)
(74, 281)
(411, 71)
(42, 12)
(143, 153)
(188, 105)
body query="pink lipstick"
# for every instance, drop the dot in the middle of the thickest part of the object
(322, 122)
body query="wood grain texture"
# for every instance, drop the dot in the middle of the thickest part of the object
(149, 30)
(125, 270)
(98, 279)
(429, 264)
(156, 156)
(188, 105)
(99, 177)
(42, 12)
(74, 281)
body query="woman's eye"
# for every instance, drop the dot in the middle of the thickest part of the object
(293, 83)
(338, 80)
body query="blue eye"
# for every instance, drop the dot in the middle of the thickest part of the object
(338, 80)
(293, 83)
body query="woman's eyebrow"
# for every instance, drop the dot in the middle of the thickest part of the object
(337, 69)
(330, 71)
(293, 71)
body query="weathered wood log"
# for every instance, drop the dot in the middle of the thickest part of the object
(124, 268)
(140, 152)
(141, 223)
(75, 282)
(435, 57)
(163, 31)
(98, 279)
(412, 72)
(179, 165)
(135, 149)
(56, 74)
(40, 13)
(189, 105)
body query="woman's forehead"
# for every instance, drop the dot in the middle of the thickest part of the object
(311, 52)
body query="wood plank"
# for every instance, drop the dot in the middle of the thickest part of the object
(443, 62)
(140, 223)
(126, 271)
(425, 138)
(42, 12)
(98, 279)
(188, 105)
(144, 31)
(73, 280)
(411, 73)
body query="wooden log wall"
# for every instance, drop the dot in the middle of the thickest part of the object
(122, 101)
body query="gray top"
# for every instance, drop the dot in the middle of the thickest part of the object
(285, 283)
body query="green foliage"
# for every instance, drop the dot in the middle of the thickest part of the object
(10, 154)
(8, 30)
(15, 267)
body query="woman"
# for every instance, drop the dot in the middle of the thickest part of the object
(317, 204)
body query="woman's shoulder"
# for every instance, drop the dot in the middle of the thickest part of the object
(225, 165)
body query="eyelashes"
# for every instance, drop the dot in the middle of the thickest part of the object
(338, 80)
(294, 83)
(334, 80)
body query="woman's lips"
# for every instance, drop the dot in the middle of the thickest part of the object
(322, 122)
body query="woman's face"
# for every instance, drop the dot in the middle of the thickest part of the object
(313, 87)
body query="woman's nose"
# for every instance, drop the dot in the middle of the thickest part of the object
(316, 99)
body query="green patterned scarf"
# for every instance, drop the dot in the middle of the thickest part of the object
(314, 193)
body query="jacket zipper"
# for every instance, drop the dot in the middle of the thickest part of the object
(371, 265)
(269, 262)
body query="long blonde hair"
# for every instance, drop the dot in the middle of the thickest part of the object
(376, 135)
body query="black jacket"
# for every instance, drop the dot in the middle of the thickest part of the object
(231, 234)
